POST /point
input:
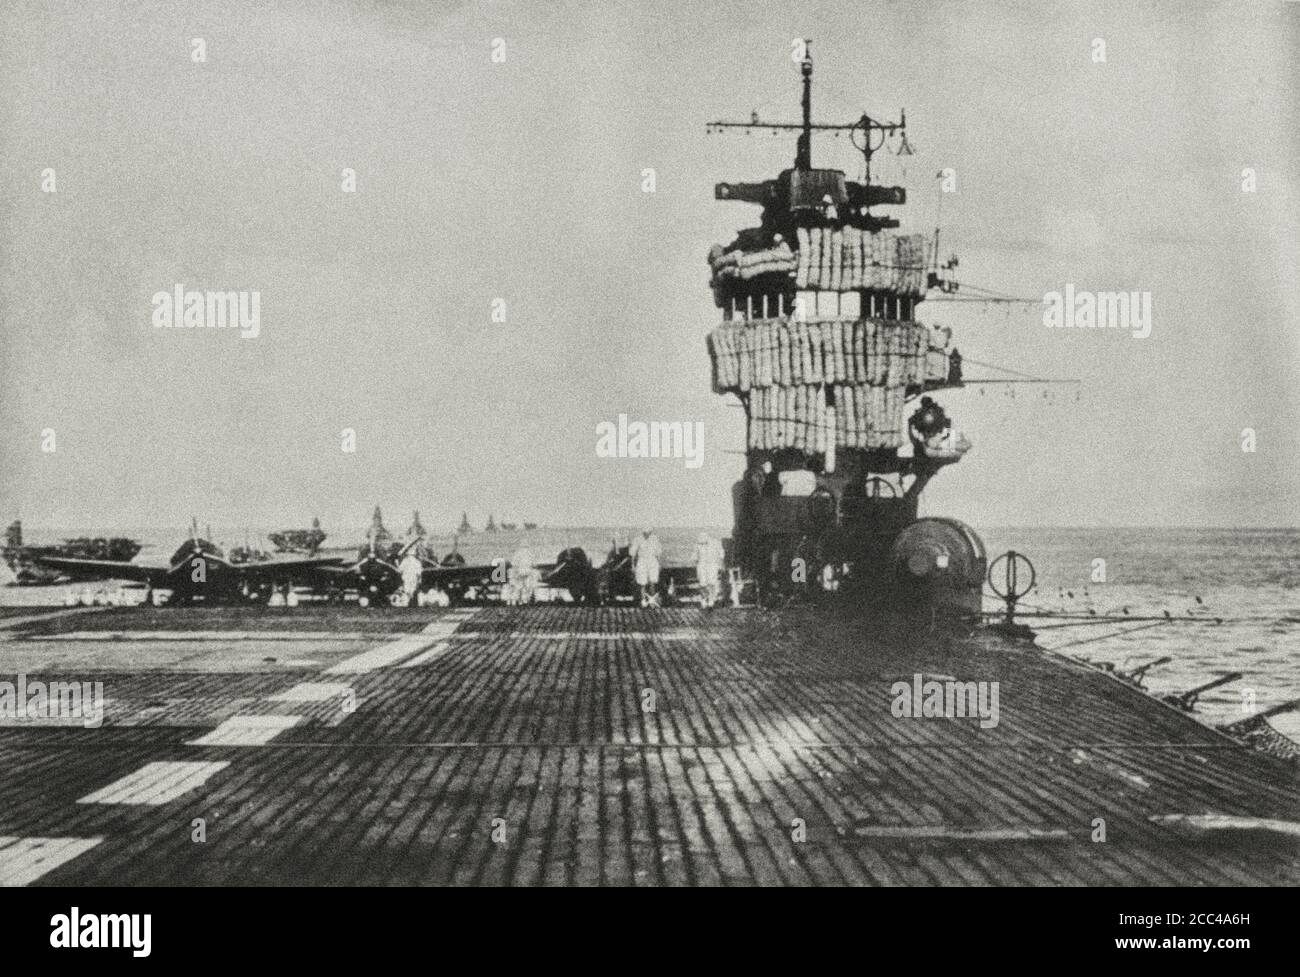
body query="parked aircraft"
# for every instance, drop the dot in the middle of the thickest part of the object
(198, 570)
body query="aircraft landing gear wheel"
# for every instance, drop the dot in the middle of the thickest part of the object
(873, 485)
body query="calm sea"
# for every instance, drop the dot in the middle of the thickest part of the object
(1249, 578)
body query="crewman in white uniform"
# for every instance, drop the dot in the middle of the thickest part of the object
(645, 552)
(523, 577)
(412, 570)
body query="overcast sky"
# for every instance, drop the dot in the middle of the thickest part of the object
(522, 180)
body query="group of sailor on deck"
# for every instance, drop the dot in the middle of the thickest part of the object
(645, 551)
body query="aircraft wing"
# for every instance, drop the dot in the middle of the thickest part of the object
(550, 570)
(79, 569)
(341, 569)
(465, 576)
(296, 568)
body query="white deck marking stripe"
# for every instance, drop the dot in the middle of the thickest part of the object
(439, 627)
(212, 635)
(680, 635)
(437, 650)
(17, 622)
(156, 783)
(1226, 822)
(310, 692)
(151, 780)
(380, 656)
(957, 834)
(448, 624)
(246, 731)
(24, 860)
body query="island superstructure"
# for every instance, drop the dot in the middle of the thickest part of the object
(821, 343)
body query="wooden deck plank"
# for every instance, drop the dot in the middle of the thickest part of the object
(535, 715)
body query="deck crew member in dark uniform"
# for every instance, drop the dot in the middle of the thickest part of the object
(926, 428)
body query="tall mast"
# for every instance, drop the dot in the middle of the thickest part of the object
(803, 152)
(867, 135)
